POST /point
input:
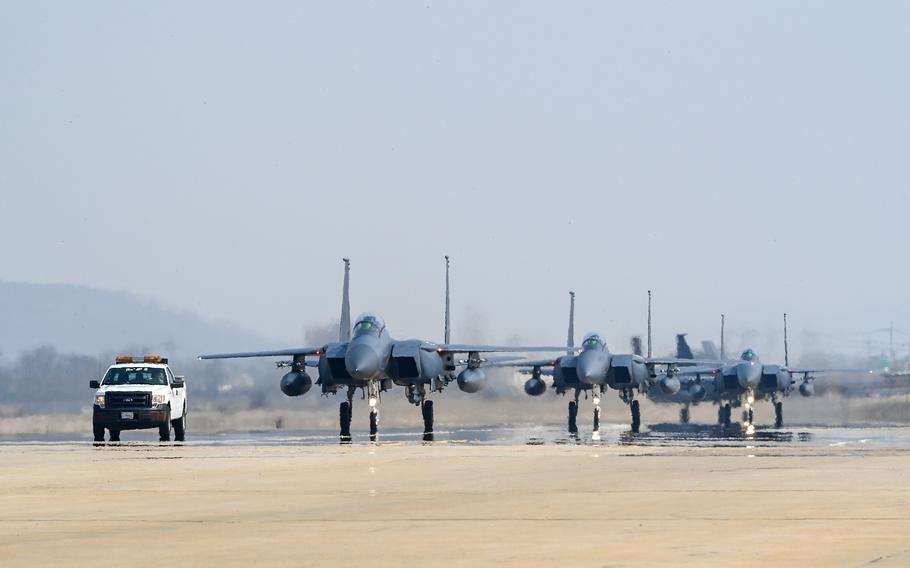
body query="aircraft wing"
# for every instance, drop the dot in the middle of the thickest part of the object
(278, 353)
(471, 348)
(682, 362)
(523, 363)
(803, 371)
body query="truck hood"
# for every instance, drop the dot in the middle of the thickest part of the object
(154, 389)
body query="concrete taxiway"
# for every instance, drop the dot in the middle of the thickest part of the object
(453, 503)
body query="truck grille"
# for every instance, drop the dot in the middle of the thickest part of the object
(128, 400)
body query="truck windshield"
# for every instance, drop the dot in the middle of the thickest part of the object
(135, 376)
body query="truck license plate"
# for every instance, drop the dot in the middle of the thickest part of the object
(126, 415)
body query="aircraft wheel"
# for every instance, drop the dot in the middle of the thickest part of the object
(684, 415)
(636, 417)
(750, 416)
(778, 414)
(728, 414)
(573, 414)
(344, 419)
(597, 419)
(427, 410)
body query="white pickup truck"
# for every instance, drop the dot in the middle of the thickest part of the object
(138, 393)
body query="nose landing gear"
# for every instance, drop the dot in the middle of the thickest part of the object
(595, 435)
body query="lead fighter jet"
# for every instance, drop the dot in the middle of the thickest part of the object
(366, 357)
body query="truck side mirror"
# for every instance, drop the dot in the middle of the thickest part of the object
(179, 382)
(94, 384)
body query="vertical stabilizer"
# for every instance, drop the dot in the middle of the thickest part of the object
(570, 340)
(786, 346)
(636, 345)
(448, 323)
(649, 324)
(683, 351)
(722, 352)
(344, 328)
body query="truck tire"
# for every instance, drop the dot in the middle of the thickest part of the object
(164, 431)
(115, 435)
(180, 428)
(98, 431)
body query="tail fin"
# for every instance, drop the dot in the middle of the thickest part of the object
(683, 351)
(786, 346)
(448, 323)
(570, 340)
(709, 350)
(636, 345)
(344, 331)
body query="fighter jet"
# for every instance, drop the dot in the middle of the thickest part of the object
(594, 368)
(366, 357)
(740, 383)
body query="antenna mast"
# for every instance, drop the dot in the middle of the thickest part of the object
(786, 346)
(649, 324)
(344, 333)
(570, 341)
(721, 337)
(448, 324)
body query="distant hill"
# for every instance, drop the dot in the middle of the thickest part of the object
(78, 319)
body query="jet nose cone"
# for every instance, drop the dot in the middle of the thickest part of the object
(361, 361)
(591, 368)
(747, 375)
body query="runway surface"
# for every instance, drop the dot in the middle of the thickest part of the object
(671, 435)
(673, 495)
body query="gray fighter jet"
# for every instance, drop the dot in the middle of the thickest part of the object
(593, 368)
(740, 383)
(371, 360)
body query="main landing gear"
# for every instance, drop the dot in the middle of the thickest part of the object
(416, 395)
(344, 416)
(778, 414)
(636, 416)
(629, 398)
(684, 415)
(723, 415)
(573, 414)
(427, 410)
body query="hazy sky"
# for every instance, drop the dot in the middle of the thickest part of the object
(738, 157)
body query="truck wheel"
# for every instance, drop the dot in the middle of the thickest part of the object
(164, 431)
(179, 428)
(115, 435)
(98, 431)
